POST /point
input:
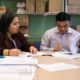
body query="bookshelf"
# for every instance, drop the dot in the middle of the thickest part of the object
(30, 7)
(34, 6)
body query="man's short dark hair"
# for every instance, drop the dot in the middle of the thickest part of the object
(62, 16)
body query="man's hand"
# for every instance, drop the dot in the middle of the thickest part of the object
(33, 49)
(58, 47)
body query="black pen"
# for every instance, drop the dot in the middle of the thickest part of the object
(47, 55)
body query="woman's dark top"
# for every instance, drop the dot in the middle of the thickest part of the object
(20, 41)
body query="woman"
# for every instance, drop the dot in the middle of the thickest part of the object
(12, 42)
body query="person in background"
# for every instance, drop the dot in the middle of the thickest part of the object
(59, 37)
(12, 42)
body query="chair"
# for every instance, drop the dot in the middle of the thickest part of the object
(37, 44)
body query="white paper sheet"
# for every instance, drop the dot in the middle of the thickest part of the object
(65, 55)
(17, 68)
(9, 76)
(25, 54)
(57, 66)
(18, 60)
(17, 72)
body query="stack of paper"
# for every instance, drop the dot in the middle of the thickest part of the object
(17, 72)
(58, 66)
(17, 68)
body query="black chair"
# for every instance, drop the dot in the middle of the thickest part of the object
(37, 44)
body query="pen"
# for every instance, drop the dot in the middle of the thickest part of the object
(47, 55)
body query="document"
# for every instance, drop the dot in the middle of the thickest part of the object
(17, 72)
(66, 55)
(18, 60)
(13, 76)
(58, 66)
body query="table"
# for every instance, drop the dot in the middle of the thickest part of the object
(72, 74)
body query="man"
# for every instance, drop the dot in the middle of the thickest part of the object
(59, 38)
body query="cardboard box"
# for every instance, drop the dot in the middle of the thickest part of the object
(30, 6)
(55, 5)
(40, 6)
(23, 20)
(75, 2)
(73, 9)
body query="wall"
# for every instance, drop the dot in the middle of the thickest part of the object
(38, 24)
(10, 4)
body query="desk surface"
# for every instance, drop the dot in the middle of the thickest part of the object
(72, 74)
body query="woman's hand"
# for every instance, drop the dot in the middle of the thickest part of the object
(33, 49)
(14, 52)
(11, 52)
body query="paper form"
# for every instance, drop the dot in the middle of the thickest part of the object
(58, 66)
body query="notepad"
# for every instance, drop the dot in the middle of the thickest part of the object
(58, 66)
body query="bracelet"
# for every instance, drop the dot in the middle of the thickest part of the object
(8, 52)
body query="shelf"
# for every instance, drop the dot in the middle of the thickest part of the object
(31, 14)
(37, 7)
(50, 13)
